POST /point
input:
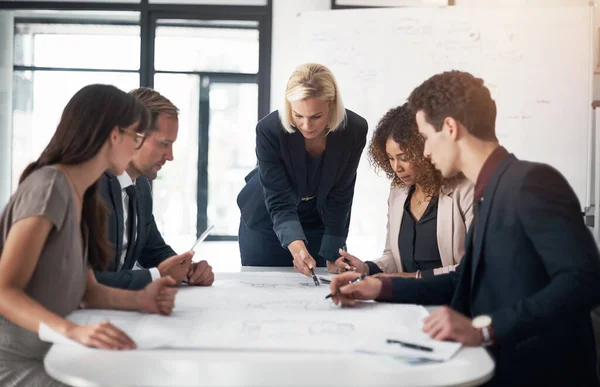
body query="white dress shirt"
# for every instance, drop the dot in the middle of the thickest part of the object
(125, 181)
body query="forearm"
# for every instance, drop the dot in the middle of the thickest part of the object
(289, 232)
(330, 246)
(384, 264)
(125, 279)
(98, 296)
(27, 313)
(437, 290)
(155, 249)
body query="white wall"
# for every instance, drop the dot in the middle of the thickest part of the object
(6, 63)
(284, 29)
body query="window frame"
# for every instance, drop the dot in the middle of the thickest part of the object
(150, 13)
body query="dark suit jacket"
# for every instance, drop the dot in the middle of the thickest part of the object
(273, 190)
(149, 249)
(535, 269)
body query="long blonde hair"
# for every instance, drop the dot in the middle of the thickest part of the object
(313, 80)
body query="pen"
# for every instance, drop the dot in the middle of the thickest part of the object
(347, 262)
(357, 279)
(203, 236)
(410, 345)
(314, 277)
(199, 240)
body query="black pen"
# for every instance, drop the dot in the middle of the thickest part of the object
(314, 277)
(347, 262)
(357, 279)
(410, 345)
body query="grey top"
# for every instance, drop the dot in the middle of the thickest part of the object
(59, 278)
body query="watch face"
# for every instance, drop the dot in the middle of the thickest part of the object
(482, 321)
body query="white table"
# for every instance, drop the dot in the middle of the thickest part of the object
(87, 367)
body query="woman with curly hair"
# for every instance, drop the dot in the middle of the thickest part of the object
(428, 216)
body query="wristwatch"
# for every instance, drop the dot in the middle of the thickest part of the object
(483, 323)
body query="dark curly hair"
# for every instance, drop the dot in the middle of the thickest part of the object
(459, 95)
(399, 124)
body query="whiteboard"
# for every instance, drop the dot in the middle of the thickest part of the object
(537, 63)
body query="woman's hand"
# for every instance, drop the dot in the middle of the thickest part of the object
(303, 262)
(348, 262)
(158, 296)
(103, 336)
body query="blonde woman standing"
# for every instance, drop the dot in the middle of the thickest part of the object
(296, 204)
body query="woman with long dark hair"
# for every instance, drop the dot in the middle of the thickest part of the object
(53, 232)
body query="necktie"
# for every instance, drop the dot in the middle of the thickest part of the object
(131, 225)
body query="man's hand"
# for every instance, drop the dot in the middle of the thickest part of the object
(176, 266)
(200, 274)
(343, 291)
(447, 324)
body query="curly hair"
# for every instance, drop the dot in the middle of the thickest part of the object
(459, 95)
(399, 124)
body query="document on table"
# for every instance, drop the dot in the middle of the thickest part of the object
(268, 311)
(419, 346)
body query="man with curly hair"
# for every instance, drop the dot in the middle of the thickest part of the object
(531, 272)
(428, 215)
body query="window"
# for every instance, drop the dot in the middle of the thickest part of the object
(209, 69)
(210, 59)
(51, 63)
(176, 186)
(231, 155)
(218, 48)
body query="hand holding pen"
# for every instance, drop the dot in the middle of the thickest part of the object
(355, 280)
(349, 287)
(348, 262)
(303, 262)
(200, 273)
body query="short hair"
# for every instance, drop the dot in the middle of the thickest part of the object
(156, 103)
(313, 80)
(459, 95)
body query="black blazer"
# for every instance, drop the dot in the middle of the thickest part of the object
(149, 250)
(534, 268)
(273, 190)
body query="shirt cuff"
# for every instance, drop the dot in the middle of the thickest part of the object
(386, 290)
(289, 231)
(154, 273)
(373, 268)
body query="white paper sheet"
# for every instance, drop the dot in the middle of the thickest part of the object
(263, 311)
(442, 350)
